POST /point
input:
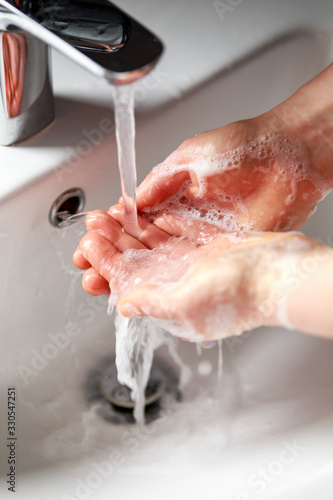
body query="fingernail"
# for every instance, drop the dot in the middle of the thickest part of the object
(85, 245)
(96, 215)
(115, 210)
(88, 277)
(77, 253)
(164, 218)
(129, 310)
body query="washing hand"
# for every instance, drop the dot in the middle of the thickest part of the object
(267, 173)
(233, 283)
(263, 174)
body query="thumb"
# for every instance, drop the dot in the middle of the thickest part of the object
(146, 300)
(159, 185)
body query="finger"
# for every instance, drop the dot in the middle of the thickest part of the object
(149, 234)
(167, 178)
(101, 254)
(79, 261)
(194, 229)
(94, 284)
(159, 185)
(146, 300)
(104, 224)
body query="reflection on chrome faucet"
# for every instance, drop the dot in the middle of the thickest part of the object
(14, 50)
(86, 25)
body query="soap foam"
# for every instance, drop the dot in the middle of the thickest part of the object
(170, 264)
(163, 265)
(289, 159)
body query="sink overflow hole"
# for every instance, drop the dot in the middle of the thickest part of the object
(69, 203)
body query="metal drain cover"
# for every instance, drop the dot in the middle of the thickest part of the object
(120, 395)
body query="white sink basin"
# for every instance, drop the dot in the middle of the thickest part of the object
(264, 431)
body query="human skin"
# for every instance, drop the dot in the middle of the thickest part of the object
(231, 284)
(306, 118)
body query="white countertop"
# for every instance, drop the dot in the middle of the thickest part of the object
(201, 39)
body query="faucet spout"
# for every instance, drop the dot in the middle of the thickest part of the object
(94, 34)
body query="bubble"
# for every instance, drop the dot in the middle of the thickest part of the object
(286, 158)
(208, 344)
(205, 368)
(290, 199)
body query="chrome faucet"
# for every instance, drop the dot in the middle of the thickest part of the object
(95, 34)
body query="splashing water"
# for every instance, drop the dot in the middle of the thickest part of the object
(136, 341)
(135, 345)
(72, 226)
(137, 338)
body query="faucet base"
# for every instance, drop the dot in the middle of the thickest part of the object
(27, 104)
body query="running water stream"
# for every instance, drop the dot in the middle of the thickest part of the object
(125, 135)
(136, 338)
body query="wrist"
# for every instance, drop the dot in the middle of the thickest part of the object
(285, 267)
(308, 298)
(308, 114)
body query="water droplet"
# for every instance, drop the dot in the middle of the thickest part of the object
(205, 368)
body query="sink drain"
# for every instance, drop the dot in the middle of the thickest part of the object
(120, 395)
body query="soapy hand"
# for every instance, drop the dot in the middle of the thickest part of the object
(266, 173)
(241, 176)
(148, 237)
(202, 290)
(263, 174)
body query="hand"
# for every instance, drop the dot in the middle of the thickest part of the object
(267, 173)
(262, 192)
(272, 185)
(204, 291)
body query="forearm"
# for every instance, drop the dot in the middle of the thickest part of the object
(307, 301)
(309, 114)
